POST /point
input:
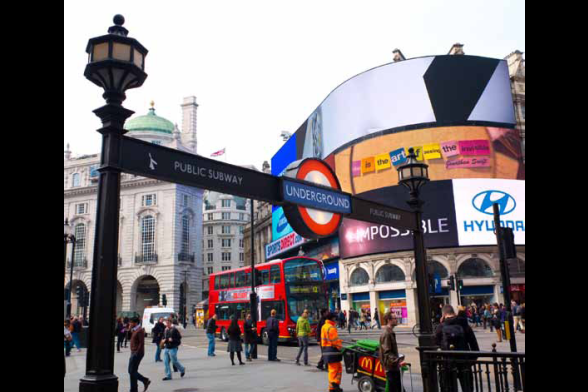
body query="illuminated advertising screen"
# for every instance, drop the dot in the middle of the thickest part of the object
(458, 114)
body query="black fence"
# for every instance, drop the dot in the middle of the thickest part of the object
(469, 371)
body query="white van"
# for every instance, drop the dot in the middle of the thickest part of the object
(151, 315)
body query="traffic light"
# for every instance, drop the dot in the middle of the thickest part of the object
(164, 300)
(451, 283)
(460, 284)
(80, 292)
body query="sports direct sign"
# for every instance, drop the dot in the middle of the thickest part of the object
(290, 241)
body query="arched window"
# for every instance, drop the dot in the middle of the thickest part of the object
(80, 252)
(75, 180)
(474, 268)
(390, 273)
(185, 234)
(148, 238)
(434, 268)
(517, 268)
(359, 277)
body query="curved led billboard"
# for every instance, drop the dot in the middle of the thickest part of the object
(456, 111)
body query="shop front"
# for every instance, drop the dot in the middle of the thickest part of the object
(332, 282)
(360, 301)
(394, 301)
(479, 295)
(517, 293)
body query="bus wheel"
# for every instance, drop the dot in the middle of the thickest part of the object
(265, 337)
(224, 335)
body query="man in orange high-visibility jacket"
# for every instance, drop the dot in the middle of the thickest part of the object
(332, 346)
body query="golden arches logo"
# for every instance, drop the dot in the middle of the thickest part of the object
(379, 367)
(367, 363)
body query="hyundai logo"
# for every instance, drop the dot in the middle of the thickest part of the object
(483, 202)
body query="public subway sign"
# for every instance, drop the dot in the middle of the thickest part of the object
(313, 201)
(166, 164)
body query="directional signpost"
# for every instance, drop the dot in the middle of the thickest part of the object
(170, 165)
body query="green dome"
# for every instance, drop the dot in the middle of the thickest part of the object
(150, 123)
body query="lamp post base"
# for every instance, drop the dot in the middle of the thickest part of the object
(427, 343)
(107, 383)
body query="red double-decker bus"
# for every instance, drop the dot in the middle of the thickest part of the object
(288, 286)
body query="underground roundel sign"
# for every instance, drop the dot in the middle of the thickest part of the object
(310, 222)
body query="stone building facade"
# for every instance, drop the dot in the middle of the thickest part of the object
(516, 70)
(160, 247)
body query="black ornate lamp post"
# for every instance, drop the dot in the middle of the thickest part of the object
(68, 238)
(413, 175)
(116, 63)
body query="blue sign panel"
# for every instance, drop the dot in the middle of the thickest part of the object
(314, 197)
(280, 226)
(332, 271)
(438, 283)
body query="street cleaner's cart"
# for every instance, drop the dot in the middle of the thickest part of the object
(362, 362)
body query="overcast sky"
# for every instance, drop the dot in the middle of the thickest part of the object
(261, 67)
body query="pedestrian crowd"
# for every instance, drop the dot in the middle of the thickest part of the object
(494, 317)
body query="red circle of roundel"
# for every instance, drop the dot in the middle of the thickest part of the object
(307, 166)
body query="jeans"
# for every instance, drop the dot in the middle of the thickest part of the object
(170, 355)
(67, 347)
(303, 342)
(134, 363)
(248, 350)
(76, 339)
(157, 353)
(273, 347)
(211, 344)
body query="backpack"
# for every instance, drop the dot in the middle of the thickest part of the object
(453, 335)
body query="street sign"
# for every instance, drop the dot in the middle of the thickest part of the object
(316, 197)
(369, 211)
(166, 164)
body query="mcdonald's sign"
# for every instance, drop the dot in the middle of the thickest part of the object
(366, 366)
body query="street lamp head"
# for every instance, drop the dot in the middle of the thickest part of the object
(116, 62)
(413, 174)
(67, 230)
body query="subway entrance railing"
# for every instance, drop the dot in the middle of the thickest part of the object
(474, 371)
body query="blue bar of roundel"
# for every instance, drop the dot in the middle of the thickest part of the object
(292, 188)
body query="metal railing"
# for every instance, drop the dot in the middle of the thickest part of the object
(187, 257)
(477, 371)
(146, 259)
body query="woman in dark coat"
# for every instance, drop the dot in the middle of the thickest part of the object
(250, 334)
(235, 345)
(120, 334)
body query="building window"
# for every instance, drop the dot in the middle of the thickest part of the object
(242, 217)
(359, 277)
(523, 111)
(241, 257)
(390, 273)
(226, 243)
(148, 238)
(226, 256)
(226, 215)
(474, 268)
(80, 234)
(149, 200)
(226, 229)
(209, 257)
(81, 209)
(241, 228)
(75, 180)
(226, 203)
(210, 230)
(210, 217)
(185, 200)
(516, 268)
(241, 243)
(210, 244)
(185, 234)
(226, 268)
(210, 270)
